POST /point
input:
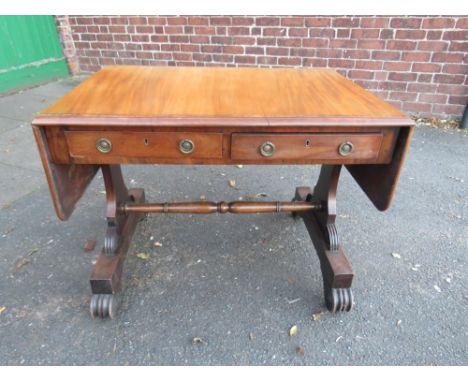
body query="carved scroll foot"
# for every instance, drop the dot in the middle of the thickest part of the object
(339, 299)
(336, 270)
(106, 279)
(103, 305)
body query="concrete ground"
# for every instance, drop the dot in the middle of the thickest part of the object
(237, 282)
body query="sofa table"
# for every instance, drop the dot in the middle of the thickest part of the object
(251, 116)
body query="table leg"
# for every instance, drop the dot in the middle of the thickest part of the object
(106, 279)
(336, 269)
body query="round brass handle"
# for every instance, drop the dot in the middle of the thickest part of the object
(104, 145)
(346, 148)
(186, 146)
(267, 149)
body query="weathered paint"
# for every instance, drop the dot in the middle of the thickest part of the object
(30, 51)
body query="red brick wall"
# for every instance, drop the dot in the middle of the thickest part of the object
(68, 44)
(417, 63)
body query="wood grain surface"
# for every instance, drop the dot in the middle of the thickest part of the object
(191, 96)
(82, 145)
(306, 146)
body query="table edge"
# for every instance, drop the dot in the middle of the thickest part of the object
(306, 121)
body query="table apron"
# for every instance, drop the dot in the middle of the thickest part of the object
(146, 146)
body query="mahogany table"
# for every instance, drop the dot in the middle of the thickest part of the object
(131, 114)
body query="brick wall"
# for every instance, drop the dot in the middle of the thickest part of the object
(419, 63)
(68, 44)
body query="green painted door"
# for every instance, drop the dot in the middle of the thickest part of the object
(30, 51)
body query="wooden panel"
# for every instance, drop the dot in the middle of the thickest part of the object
(57, 145)
(191, 96)
(134, 145)
(307, 147)
(67, 182)
(379, 182)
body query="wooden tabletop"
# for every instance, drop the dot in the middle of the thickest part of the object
(137, 95)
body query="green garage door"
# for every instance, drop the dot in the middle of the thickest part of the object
(30, 51)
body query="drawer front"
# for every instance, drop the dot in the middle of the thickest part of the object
(346, 148)
(107, 146)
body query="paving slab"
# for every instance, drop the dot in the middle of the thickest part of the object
(57, 89)
(18, 148)
(17, 182)
(23, 106)
(240, 282)
(7, 124)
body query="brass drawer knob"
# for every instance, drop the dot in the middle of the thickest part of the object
(267, 149)
(346, 148)
(104, 145)
(186, 146)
